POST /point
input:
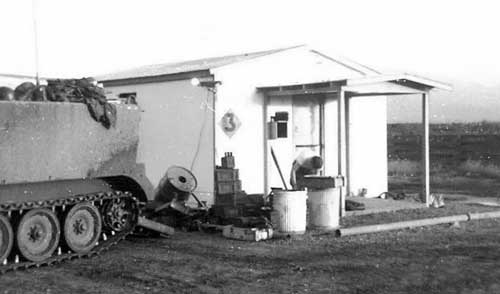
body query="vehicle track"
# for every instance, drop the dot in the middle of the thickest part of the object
(107, 239)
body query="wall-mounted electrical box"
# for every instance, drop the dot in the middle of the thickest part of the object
(272, 130)
(281, 119)
(278, 126)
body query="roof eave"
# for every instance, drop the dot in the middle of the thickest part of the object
(428, 83)
(157, 78)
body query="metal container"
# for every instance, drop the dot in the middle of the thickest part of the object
(289, 212)
(324, 208)
(178, 183)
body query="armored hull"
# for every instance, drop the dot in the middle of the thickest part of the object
(69, 187)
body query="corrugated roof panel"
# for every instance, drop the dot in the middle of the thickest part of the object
(185, 66)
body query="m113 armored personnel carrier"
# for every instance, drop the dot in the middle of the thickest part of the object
(70, 187)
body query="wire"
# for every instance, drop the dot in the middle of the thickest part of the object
(200, 136)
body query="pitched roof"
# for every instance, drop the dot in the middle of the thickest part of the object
(185, 66)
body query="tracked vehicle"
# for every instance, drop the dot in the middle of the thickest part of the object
(69, 187)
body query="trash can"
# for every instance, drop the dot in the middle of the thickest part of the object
(324, 208)
(289, 212)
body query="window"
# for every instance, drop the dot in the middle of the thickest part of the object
(128, 98)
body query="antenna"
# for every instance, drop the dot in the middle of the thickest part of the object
(35, 36)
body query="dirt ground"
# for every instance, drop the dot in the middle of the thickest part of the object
(439, 259)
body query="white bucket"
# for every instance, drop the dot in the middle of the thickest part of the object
(289, 212)
(324, 208)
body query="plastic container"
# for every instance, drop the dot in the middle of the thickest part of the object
(289, 212)
(324, 208)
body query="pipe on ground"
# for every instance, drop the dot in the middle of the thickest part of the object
(401, 225)
(155, 226)
(417, 223)
(484, 215)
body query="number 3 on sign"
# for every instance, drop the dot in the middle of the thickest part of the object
(229, 123)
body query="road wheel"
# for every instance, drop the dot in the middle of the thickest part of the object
(6, 237)
(38, 234)
(82, 227)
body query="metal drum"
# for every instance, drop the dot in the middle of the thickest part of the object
(178, 183)
(289, 212)
(324, 208)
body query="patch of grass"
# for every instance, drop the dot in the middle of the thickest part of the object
(403, 167)
(478, 168)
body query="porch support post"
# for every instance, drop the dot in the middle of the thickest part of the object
(265, 131)
(425, 196)
(341, 161)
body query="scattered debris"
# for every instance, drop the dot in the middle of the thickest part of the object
(436, 200)
(155, 226)
(170, 205)
(397, 196)
(351, 205)
(247, 234)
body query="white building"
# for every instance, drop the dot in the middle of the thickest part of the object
(335, 108)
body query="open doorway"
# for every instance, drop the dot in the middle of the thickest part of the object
(307, 125)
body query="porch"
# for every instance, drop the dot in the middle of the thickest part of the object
(344, 91)
(378, 205)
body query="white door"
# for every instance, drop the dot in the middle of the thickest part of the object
(307, 120)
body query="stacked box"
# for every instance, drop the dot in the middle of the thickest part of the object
(228, 187)
(226, 174)
(232, 199)
(226, 211)
(227, 181)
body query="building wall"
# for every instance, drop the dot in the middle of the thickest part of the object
(331, 136)
(176, 128)
(368, 145)
(238, 93)
(283, 147)
(170, 127)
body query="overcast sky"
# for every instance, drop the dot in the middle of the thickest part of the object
(439, 39)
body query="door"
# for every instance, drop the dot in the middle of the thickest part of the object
(307, 125)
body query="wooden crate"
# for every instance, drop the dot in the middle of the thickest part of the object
(230, 198)
(228, 187)
(225, 211)
(226, 174)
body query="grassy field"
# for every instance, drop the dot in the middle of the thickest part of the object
(450, 144)
(470, 177)
(465, 158)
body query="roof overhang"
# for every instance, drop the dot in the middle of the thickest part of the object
(157, 78)
(402, 79)
(377, 85)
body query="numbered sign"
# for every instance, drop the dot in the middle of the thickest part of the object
(230, 123)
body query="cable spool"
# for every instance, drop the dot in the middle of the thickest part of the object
(178, 183)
